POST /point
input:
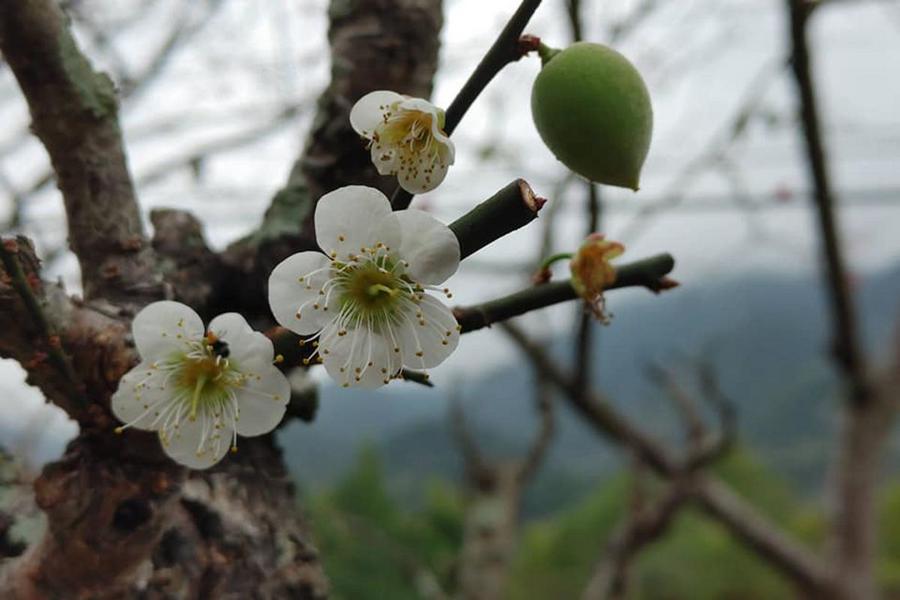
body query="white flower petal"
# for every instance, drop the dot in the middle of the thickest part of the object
(164, 327)
(385, 158)
(183, 444)
(247, 349)
(294, 287)
(426, 346)
(429, 247)
(448, 151)
(361, 358)
(368, 112)
(421, 105)
(140, 397)
(262, 401)
(422, 178)
(448, 154)
(352, 218)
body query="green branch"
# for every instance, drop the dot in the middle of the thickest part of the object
(509, 209)
(649, 273)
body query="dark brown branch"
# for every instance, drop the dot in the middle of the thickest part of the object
(649, 272)
(744, 522)
(847, 348)
(477, 468)
(74, 113)
(688, 410)
(543, 436)
(510, 209)
(710, 447)
(638, 531)
(596, 410)
(505, 49)
(645, 524)
(866, 418)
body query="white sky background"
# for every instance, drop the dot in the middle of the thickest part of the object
(703, 61)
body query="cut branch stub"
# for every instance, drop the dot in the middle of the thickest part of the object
(510, 209)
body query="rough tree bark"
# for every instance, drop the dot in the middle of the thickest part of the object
(375, 44)
(123, 521)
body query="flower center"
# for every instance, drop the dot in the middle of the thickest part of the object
(206, 381)
(411, 131)
(370, 290)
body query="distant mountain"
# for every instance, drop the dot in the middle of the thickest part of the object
(766, 335)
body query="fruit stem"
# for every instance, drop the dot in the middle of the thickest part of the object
(546, 53)
(549, 261)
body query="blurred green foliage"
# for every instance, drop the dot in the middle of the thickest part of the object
(373, 549)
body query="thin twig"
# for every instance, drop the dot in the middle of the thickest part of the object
(847, 347)
(769, 541)
(544, 435)
(866, 418)
(638, 531)
(475, 464)
(506, 49)
(649, 272)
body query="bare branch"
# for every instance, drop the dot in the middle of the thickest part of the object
(74, 113)
(867, 416)
(649, 272)
(760, 534)
(476, 466)
(543, 436)
(642, 528)
(687, 408)
(847, 347)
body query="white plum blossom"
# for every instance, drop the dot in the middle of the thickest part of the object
(406, 137)
(199, 388)
(366, 299)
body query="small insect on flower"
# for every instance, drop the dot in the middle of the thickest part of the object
(217, 346)
(406, 138)
(366, 299)
(200, 388)
(592, 271)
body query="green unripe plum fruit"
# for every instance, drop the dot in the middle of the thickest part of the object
(593, 111)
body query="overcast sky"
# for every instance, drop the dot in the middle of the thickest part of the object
(705, 61)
